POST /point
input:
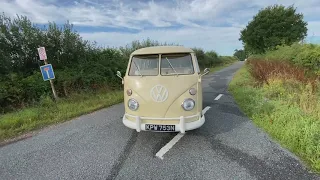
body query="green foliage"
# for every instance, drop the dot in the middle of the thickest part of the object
(304, 55)
(79, 66)
(309, 57)
(129, 48)
(240, 54)
(227, 59)
(211, 58)
(286, 109)
(272, 26)
(282, 78)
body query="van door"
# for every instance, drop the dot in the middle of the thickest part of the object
(199, 85)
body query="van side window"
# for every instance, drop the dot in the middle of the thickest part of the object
(145, 65)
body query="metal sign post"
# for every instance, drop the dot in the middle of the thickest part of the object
(47, 70)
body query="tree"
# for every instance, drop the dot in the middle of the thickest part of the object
(272, 26)
(240, 54)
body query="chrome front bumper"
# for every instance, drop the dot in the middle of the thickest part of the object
(181, 127)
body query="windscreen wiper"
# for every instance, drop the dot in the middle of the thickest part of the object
(137, 68)
(172, 66)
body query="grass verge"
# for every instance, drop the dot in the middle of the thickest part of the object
(287, 110)
(49, 112)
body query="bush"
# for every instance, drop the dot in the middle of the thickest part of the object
(213, 58)
(263, 70)
(309, 58)
(303, 55)
(227, 59)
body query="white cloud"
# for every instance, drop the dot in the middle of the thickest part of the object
(130, 14)
(219, 39)
(200, 19)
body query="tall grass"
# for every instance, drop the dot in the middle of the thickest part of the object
(263, 70)
(285, 102)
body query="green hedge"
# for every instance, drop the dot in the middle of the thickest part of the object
(305, 55)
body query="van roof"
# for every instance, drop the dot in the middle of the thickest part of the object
(162, 50)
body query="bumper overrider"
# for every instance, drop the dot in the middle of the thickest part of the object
(182, 126)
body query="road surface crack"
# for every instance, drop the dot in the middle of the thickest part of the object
(123, 156)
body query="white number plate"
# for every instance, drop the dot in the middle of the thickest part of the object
(156, 127)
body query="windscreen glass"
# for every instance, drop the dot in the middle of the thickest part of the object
(172, 64)
(144, 65)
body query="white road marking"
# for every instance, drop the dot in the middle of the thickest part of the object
(205, 109)
(218, 97)
(168, 146)
(174, 140)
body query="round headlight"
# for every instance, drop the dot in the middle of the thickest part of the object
(188, 104)
(133, 104)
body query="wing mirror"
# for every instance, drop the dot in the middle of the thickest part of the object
(206, 71)
(119, 75)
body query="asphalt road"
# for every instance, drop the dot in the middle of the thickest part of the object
(99, 146)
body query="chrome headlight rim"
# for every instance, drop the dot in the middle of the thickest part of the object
(134, 101)
(186, 100)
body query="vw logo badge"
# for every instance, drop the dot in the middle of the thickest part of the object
(159, 93)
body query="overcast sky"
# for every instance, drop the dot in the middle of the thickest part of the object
(209, 24)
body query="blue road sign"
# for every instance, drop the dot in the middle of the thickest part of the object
(47, 72)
